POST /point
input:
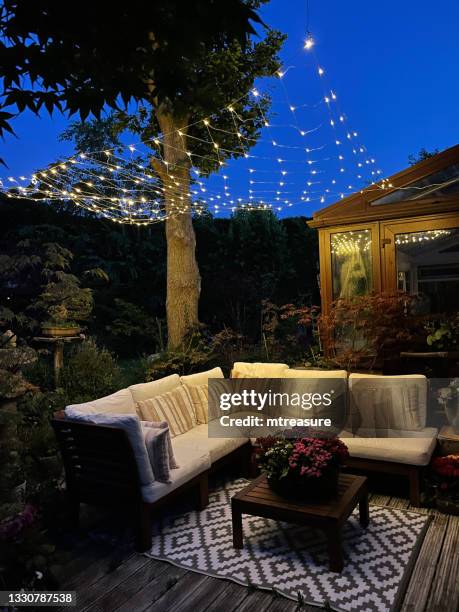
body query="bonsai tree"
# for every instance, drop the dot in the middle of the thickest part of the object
(64, 301)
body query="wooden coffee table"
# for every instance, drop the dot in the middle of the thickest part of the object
(258, 499)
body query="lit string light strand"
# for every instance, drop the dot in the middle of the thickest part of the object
(304, 169)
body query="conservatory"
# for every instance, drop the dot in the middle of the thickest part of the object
(402, 234)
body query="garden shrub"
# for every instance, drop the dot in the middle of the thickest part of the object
(90, 372)
(289, 333)
(203, 351)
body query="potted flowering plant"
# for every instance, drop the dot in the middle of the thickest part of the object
(448, 397)
(306, 468)
(443, 483)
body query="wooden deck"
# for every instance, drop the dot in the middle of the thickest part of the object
(109, 576)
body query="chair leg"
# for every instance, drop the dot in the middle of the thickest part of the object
(202, 493)
(245, 464)
(415, 493)
(144, 528)
(254, 470)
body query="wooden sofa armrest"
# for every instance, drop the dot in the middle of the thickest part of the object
(99, 462)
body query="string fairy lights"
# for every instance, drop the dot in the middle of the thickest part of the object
(313, 159)
(419, 237)
(349, 243)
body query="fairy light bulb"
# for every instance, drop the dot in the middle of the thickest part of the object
(309, 42)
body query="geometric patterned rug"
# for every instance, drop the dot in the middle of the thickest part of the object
(293, 560)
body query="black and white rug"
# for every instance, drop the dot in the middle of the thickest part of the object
(293, 560)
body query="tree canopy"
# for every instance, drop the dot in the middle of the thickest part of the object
(79, 58)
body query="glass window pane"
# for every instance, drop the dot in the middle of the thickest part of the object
(443, 183)
(351, 263)
(428, 265)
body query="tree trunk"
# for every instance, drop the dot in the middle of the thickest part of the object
(183, 279)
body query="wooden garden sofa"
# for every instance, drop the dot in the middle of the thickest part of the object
(102, 467)
(107, 462)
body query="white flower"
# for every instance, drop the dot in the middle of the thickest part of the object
(445, 393)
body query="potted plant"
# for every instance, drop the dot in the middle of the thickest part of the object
(58, 325)
(305, 468)
(444, 335)
(443, 483)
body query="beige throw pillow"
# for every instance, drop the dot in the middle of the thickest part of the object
(200, 398)
(175, 407)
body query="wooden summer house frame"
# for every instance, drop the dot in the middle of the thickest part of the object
(422, 198)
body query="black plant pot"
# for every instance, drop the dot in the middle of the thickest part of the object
(308, 489)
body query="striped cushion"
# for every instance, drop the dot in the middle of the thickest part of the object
(175, 407)
(200, 398)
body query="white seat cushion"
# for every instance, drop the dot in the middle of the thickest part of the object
(144, 391)
(292, 373)
(258, 370)
(411, 448)
(193, 459)
(216, 447)
(201, 378)
(120, 402)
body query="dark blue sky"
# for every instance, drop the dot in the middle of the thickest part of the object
(393, 66)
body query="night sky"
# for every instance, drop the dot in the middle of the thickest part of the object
(393, 67)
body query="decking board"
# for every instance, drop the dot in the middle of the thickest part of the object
(418, 590)
(122, 581)
(154, 590)
(444, 593)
